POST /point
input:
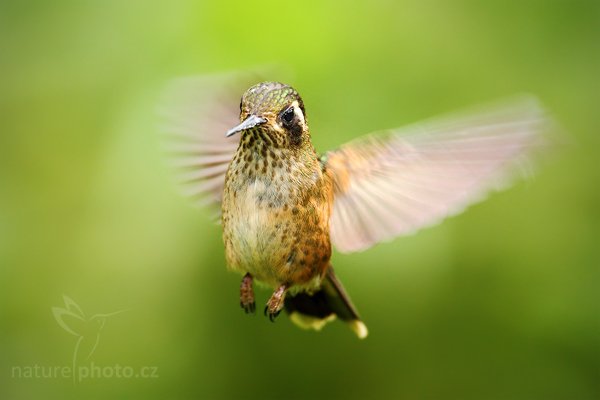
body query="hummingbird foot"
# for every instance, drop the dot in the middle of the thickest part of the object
(247, 294)
(275, 303)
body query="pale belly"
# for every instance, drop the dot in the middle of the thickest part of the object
(271, 240)
(254, 232)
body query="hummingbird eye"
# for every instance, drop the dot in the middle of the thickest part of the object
(287, 116)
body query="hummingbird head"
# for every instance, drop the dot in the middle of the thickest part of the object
(275, 109)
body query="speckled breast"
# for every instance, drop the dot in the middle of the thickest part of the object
(275, 217)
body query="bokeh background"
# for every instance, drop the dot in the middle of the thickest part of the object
(501, 302)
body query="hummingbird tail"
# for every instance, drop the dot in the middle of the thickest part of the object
(313, 311)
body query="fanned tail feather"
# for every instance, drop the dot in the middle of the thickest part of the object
(313, 311)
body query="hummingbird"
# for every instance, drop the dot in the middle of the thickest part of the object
(87, 329)
(283, 205)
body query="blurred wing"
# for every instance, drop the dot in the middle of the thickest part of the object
(396, 182)
(198, 111)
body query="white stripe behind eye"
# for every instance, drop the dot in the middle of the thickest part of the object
(298, 113)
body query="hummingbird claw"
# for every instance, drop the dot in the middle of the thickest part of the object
(275, 303)
(249, 308)
(272, 315)
(247, 295)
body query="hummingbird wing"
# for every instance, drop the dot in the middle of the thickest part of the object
(198, 111)
(71, 322)
(396, 182)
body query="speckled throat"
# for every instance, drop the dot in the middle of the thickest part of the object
(275, 211)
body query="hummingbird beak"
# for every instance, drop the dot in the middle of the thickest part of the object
(248, 123)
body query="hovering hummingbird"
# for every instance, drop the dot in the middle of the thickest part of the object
(283, 204)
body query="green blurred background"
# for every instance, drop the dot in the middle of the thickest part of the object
(500, 303)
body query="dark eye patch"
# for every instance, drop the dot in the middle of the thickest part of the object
(287, 116)
(291, 124)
